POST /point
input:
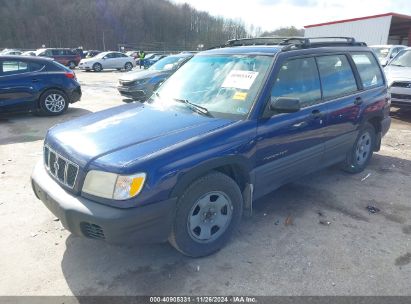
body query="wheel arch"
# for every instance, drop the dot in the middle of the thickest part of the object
(233, 166)
(45, 90)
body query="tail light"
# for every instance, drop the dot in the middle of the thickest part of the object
(70, 75)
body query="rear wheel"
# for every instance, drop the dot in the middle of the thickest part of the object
(360, 154)
(207, 214)
(97, 67)
(53, 102)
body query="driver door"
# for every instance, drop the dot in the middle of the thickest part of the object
(291, 144)
(108, 61)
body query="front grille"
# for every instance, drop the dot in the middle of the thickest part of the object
(63, 170)
(401, 96)
(402, 84)
(92, 231)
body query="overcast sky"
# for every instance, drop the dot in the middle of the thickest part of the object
(271, 14)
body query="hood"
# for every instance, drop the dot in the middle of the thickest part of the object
(92, 136)
(396, 73)
(88, 59)
(136, 75)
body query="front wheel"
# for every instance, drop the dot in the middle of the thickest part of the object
(97, 67)
(360, 154)
(128, 66)
(53, 102)
(207, 214)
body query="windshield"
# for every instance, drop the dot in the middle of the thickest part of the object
(381, 52)
(403, 58)
(168, 63)
(225, 85)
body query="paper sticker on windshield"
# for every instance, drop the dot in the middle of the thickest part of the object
(240, 96)
(240, 79)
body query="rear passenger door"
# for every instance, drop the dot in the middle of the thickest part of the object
(289, 144)
(18, 87)
(340, 88)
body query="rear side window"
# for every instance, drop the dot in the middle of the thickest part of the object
(368, 68)
(35, 66)
(337, 77)
(12, 67)
(298, 78)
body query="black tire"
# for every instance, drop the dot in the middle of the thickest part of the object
(186, 239)
(53, 102)
(71, 65)
(360, 154)
(128, 66)
(97, 67)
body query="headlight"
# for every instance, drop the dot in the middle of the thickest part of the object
(113, 186)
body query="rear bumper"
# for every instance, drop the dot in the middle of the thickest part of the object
(385, 125)
(75, 94)
(83, 217)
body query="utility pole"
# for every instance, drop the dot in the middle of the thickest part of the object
(104, 43)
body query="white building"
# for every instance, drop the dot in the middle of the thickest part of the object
(390, 28)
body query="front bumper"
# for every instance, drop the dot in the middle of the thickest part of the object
(400, 96)
(132, 92)
(85, 66)
(83, 217)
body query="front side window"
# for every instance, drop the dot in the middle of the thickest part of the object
(224, 85)
(337, 77)
(298, 78)
(368, 68)
(11, 67)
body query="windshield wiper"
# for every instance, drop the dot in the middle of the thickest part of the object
(194, 107)
(398, 65)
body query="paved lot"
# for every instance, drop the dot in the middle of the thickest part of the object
(359, 253)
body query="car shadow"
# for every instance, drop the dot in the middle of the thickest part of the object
(20, 128)
(282, 220)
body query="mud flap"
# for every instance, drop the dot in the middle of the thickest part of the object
(248, 200)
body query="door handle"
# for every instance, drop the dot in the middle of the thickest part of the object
(316, 113)
(35, 80)
(358, 101)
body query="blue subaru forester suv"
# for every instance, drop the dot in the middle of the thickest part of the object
(230, 126)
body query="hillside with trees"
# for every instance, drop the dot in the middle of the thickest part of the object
(105, 24)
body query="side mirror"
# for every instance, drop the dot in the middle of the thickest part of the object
(285, 104)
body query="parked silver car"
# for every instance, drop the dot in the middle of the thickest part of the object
(398, 73)
(386, 52)
(107, 60)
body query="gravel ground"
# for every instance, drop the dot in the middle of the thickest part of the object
(282, 250)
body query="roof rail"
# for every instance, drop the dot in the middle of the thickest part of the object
(310, 42)
(274, 40)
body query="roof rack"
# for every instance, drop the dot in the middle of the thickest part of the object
(304, 43)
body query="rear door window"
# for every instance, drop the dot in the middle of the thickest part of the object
(368, 68)
(13, 67)
(337, 77)
(298, 78)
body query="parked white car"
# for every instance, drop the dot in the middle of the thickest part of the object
(11, 52)
(398, 73)
(386, 52)
(107, 60)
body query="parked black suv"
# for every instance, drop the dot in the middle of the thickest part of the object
(228, 127)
